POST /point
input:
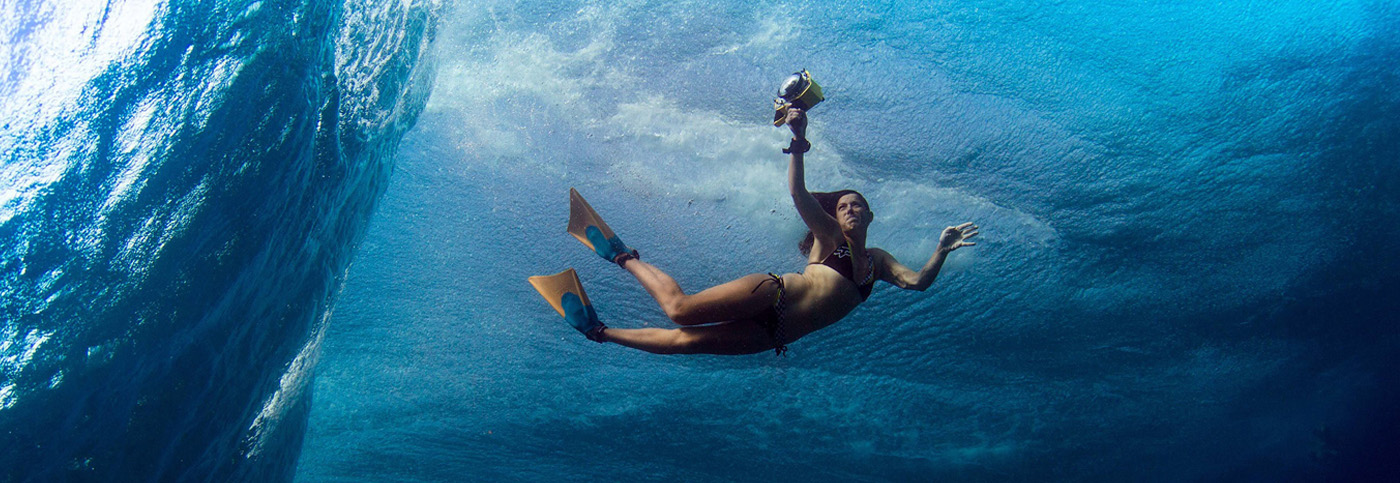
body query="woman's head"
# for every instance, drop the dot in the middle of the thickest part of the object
(847, 207)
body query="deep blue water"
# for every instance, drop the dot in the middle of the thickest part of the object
(1187, 268)
(184, 185)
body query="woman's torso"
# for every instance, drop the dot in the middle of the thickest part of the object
(820, 295)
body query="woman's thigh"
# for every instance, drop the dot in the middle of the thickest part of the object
(735, 300)
(730, 338)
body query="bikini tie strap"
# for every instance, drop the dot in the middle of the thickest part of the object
(778, 332)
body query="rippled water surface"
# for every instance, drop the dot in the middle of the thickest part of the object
(258, 241)
(183, 185)
(1188, 217)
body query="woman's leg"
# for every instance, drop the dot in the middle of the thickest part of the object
(735, 300)
(729, 338)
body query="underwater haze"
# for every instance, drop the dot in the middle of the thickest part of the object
(266, 241)
(1186, 270)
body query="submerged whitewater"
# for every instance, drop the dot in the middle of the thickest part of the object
(1187, 266)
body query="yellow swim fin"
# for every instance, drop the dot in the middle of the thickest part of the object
(564, 292)
(589, 228)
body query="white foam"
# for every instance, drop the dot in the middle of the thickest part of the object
(776, 29)
(704, 155)
(521, 65)
(291, 388)
(655, 144)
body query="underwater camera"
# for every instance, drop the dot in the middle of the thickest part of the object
(800, 91)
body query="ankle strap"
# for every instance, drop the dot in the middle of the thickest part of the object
(622, 258)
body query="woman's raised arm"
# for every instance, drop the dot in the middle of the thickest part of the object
(823, 226)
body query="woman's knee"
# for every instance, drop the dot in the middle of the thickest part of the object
(721, 303)
(680, 311)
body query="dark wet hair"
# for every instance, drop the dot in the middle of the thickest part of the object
(828, 202)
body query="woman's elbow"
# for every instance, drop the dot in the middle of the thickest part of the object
(916, 286)
(921, 284)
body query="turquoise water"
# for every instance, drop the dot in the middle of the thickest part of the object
(183, 186)
(1186, 267)
(1188, 213)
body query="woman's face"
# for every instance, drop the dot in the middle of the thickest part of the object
(851, 212)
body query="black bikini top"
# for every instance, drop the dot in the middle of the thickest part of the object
(840, 260)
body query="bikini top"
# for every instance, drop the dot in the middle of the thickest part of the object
(840, 260)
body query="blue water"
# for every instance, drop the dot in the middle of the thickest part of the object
(183, 187)
(1187, 266)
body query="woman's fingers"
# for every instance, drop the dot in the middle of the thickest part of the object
(963, 232)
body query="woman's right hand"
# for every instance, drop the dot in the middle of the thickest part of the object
(797, 121)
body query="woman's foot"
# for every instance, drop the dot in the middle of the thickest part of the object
(582, 317)
(596, 334)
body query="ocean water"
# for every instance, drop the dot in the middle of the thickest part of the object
(1187, 267)
(183, 187)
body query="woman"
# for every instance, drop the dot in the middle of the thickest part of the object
(760, 312)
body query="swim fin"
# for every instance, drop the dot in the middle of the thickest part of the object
(564, 292)
(589, 228)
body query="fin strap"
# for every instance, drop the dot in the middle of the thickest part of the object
(622, 258)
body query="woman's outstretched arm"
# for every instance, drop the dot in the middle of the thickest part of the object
(953, 238)
(823, 226)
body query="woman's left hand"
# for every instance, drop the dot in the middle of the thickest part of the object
(955, 237)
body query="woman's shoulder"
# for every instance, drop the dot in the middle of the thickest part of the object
(881, 259)
(823, 246)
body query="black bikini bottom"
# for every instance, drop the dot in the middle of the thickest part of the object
(772, 319)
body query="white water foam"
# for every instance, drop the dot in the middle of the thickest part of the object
(656, 144)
